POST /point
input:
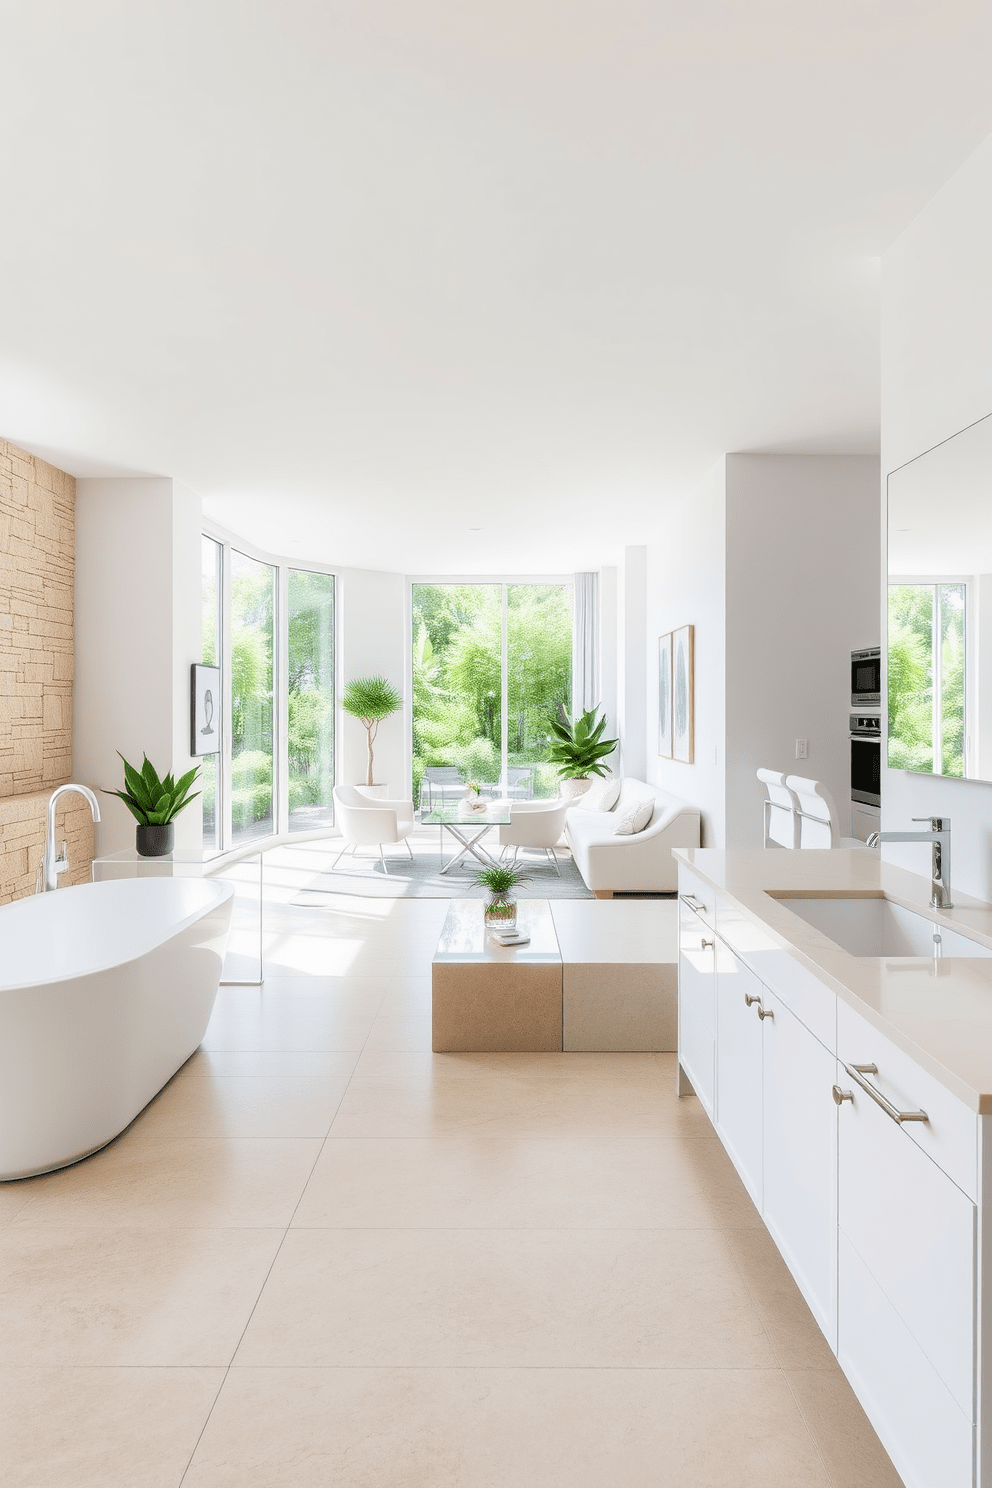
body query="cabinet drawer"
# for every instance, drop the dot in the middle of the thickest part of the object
(697, 1005)
(701, 899)
(950, 1135)
(813, 1004)
(929, 1438)
(914, 1231)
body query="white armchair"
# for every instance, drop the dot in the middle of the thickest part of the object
(535, 824)
(365, 822)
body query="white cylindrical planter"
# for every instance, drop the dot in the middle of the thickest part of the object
(377, 792)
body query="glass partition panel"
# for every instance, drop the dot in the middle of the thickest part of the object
(211, 569)
(457, 688)
(539, 680)
(311, 700)
(253, 592)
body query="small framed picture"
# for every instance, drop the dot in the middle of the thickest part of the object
(665, 696)
(204, 710)
(683, 700)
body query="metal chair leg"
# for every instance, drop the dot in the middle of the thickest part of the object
(382, 859)
(341, 854)
(408, 848)
(554, 859)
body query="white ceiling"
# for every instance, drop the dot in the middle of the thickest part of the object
(368, 276)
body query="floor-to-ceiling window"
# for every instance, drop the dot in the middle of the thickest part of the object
(211, 588)
(253, 601)
(310, 698)
(492, 662)
(270, 628)
(926, 674)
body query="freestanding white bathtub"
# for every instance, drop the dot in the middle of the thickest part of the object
(105, 991)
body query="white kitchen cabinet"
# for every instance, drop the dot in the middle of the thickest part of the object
(738, 1065)
(908, 1232)
(697, 1003)
(799, 1199)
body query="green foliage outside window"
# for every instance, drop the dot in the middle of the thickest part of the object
(457, 641)
(915, 610)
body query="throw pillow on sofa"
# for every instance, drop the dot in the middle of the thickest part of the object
(635, 818)
(601, 795)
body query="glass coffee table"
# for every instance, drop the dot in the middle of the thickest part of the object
(468, 828)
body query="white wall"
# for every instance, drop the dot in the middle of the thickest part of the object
(631, 662)
(608, 655)
(686, 585)
(802, 593)
(375, 639)
(936, 380)
(137, 617)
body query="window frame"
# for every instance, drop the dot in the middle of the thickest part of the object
(933, 582)
(281, 565)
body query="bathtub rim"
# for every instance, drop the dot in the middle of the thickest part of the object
(223, 891)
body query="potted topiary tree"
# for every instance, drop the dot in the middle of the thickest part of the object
(155, 804)
(370, 700)
(579, 749)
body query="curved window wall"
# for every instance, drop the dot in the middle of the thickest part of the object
(271, 628)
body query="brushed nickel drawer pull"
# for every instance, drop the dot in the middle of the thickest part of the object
(692, 902)
(857, 1073)
(750, 997)
(764, 1012)
(840, 1095)
(704, 944)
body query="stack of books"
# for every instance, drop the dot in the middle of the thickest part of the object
(510, 937)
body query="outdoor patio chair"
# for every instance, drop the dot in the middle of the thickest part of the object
(520, 784)
(440, 783)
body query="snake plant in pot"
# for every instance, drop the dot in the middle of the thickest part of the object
(155, 804)
(579, 749)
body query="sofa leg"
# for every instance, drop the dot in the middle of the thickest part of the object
(603, 893)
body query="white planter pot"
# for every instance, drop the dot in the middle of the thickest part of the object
(571, 790)
(377, 792)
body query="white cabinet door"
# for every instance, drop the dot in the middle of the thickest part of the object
(800, 1158)
(908, 1232)
(739, 1003)
(697, 1003)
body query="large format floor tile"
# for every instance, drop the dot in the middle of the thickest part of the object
(205, 1183)
(516, 1298)
(491, 1428)
(479, 1182)
(142, 1297)
(102, 1428)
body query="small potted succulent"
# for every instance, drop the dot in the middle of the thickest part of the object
(501, 906)
(155, 804)
(579, 749)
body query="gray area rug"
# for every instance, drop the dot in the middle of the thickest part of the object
(362, 874)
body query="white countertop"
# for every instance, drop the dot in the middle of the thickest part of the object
(616, 931)
(940, 1013)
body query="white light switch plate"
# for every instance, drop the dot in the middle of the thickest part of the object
(801, 750)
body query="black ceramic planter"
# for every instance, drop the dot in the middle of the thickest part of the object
(156, 839)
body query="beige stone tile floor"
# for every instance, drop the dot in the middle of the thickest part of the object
(325, 1256)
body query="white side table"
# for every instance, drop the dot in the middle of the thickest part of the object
(188, 862)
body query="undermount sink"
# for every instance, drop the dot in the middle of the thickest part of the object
(877, 927)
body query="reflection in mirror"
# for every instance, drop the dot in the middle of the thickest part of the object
(940, 609)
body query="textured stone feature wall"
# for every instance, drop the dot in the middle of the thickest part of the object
(37, 559)
(22, 841)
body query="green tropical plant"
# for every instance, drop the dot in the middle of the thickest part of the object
(370, 700)
(151, 800)
(578, 749)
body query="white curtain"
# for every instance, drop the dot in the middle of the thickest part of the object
(585, 643)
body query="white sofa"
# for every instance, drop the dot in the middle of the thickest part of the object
(642, 862)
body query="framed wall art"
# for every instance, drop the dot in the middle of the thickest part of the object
(683, 699)
(204, 710)
(665, 696)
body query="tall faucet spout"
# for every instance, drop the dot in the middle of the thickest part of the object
(52, 864)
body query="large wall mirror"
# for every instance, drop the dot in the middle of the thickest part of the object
(940, 609)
